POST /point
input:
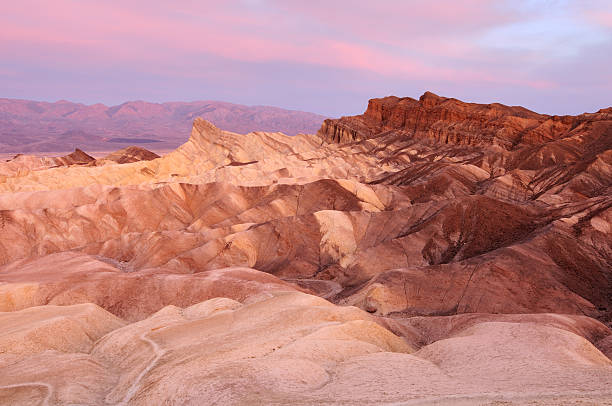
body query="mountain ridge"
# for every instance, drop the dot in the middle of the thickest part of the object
(30, 126)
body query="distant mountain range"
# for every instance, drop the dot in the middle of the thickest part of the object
(31, 126)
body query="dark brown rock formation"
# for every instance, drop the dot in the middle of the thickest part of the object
(128, 155)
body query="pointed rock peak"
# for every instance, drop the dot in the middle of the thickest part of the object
(131, 154)
(78, 156)
(80, 153)
(204, 125)
(429, 99)
(204, 130)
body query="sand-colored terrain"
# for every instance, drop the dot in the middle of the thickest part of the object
(426, 252)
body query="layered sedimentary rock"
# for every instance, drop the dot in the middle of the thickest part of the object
(128, 155)
(451, 121)
(460, 252)
(21, 164)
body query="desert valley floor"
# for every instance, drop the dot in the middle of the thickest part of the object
(428, 252)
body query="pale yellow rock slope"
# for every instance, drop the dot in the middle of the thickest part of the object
(286, 348)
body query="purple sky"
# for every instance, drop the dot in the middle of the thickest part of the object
(324, 56)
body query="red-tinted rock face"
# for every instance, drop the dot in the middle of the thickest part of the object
(78, 157)
(450, 121)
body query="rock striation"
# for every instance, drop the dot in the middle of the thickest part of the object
(451, 121)
(21, 164)
(127, 155)
(427, 251)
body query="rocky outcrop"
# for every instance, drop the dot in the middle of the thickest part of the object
(127, 155)
(78, 157)
(21, 164)
(449, 121)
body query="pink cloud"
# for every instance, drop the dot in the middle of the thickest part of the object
(297, 32)
(405, 22)
(601, 18)
(7, 72)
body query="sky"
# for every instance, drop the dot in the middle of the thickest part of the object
(323, 56)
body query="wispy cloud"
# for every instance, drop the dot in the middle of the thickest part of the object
(454, 44)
